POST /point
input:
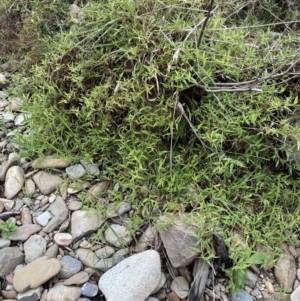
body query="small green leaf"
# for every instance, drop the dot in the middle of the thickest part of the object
(239, 279)
(258, 258)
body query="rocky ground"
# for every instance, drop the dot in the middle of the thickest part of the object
(53, 255)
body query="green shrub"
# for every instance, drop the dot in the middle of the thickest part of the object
(108, 89)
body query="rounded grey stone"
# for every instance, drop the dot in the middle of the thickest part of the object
(134, 278)
(241, 296)
(69, 266)
(75, 171)
(89, 290)
(118, 235)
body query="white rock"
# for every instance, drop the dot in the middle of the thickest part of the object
(63, 239)
(8, 116)
(44, 218)
(52, 198)
(14, 181)
(19, 120)
(134, 278)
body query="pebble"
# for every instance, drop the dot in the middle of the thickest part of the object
(44, 218)
(46, 182)
(10, 257)
(13, 159)
(14, 181)
(84, 223)
(87, 257)
(118, 235)
(24, 232)
(50, 162)
(178, 239)
(285, 270)
(90, 168)
(105, 252)
(250, 278)
(173, 297)
(4, 243)
(36, 273)
(134, 278)
(34, 248)
(104, 265)
(180, 287)
(9, 295)
(26, 216)
(116, 209)
(60, 213)
(69, 266)
(269, 287)
(77, 279)
(75, 205)
(98, 189)
(62, 292)
(89, 290)
(31, 295)
(241, 296)
(63, 239)
(75, 171)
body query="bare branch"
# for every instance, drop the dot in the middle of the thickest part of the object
(205, 22)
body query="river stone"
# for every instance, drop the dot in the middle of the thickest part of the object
(24, 232)
(46, 182)
(34, 248)
(61, 292)
(105, 264)
(105, 252)
(180, 287)
(8, 204)
(31, 295)
(50, 162)
(36, 273)
(91, 168)
(241, 296)
(4, 243)
(52, 251)
(13, 159)
(63, 239)
(79, 278)
(84, 223)
(14, 181)
(60, 213)
(178, 239)
(134, 278)
(250, 278)
(285, 270)
(98, 189)
(89, 290)
(10, 257)
(87, 257)
(69, 266)
(29, 187)
(115, 209)
(44, 218)
(3, 80)
(118, 235)
(75, 171)
(147, 238)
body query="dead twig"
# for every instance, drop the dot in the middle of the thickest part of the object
(205, 23)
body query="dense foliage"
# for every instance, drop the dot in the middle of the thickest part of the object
(108, 87)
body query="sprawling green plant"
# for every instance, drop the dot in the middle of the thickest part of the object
(180, 123)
